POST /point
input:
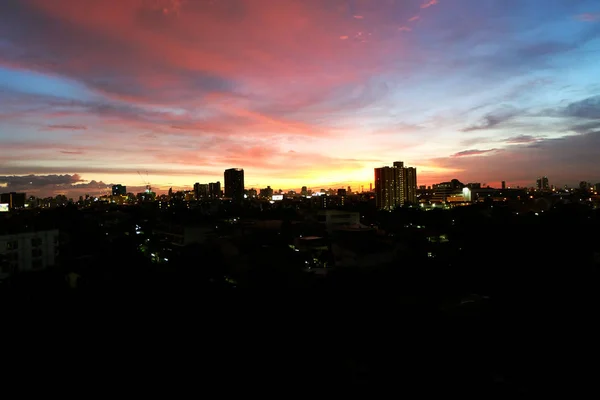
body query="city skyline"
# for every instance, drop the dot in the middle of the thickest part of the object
(308, 93)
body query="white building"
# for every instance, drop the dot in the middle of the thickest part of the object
(29, 251)
(336, 219)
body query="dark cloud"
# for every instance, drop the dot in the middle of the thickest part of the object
(467, 153)
(50, 185)
(565, 160)
(491, 120)
(521, 139)
(39, 180)
(587, 108)
(584, 128)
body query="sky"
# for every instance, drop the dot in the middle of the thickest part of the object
(296, 92)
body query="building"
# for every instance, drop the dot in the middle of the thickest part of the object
(410, 185)
(201, 191)
(395, 186)
(443, 191)
(503, 185)
(542, 183)
(234, 184)
(28, 251)
(266, 193)
(214, 190)
(337, 219)
(304, 191)
(119, 190)
(388, 186)
(14, 200)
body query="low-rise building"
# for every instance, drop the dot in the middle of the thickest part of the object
(27, 251)
(334, 219)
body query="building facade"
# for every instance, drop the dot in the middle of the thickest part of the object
(28, 251)
(395, 186)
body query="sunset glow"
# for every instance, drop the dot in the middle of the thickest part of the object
(310, 93)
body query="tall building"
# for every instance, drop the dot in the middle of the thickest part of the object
(119, 190)
(542, 183)
(410, 185)
(201, 191)
(234, 184)
(395, 186)
(503, 185)
(304, 191)
(14, 200)
(214, 190)
(388, 184)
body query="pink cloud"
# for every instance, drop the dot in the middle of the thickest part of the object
(588, 17)
(429, 3)
(415, 18)
(405, 29)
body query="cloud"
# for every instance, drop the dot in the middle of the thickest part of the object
(565, 160)
(358, 17)
(405, 29)
(50, 185)
(491, 121)
(587, 108)
(429, 3)
(521, 139)
(467, 153)
(64, 128)
(72, 152)
(588, 17)
(175, 90)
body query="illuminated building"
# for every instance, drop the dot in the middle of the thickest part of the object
(341, 196)
(234, 184)
(542, 183)
(388, 187)
(410, 185)
(119, 190)
(395, 186)
(14, 200)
